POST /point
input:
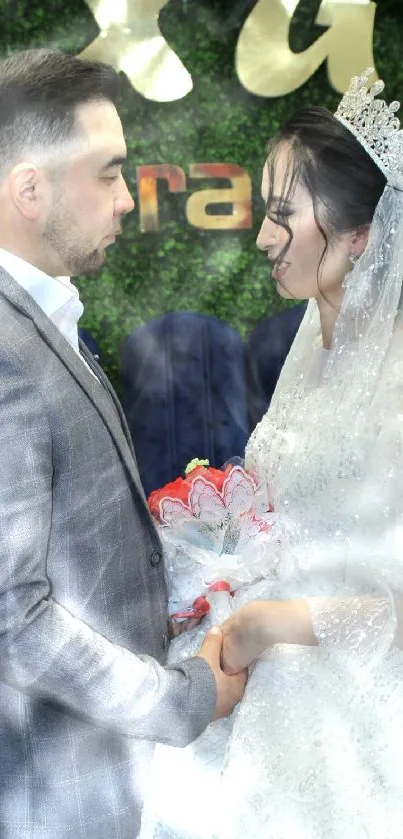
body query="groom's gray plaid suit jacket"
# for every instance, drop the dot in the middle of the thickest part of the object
(82, 599)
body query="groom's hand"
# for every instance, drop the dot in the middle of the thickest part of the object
(229, 688)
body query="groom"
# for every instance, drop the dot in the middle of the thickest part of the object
(83, 626)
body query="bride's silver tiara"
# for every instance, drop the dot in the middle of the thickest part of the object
(374, 124)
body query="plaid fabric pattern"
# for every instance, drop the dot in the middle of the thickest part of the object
(83, 693)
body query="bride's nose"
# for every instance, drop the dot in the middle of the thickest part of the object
(268, 234)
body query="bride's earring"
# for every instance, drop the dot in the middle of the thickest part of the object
(352, 258)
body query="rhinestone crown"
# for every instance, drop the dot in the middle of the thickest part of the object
(374, 124)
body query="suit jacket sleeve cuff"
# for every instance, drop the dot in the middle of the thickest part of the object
(201, 697)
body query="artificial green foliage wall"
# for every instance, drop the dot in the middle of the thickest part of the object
(180, 267)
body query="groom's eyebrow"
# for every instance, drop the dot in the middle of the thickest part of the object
(117, 160)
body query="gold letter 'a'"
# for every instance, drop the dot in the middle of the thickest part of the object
(267, 67)
(131, 40)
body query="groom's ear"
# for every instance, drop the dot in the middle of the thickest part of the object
(359, 239)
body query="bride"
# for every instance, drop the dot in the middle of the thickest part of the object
(315, 748)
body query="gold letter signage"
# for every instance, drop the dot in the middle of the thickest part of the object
(267, 67)
(147, 177)
(238, 195)
(130, 40)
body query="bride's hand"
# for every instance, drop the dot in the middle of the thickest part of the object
(259, 625)
(246, 635)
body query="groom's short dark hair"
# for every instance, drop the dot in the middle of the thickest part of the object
(40, 91)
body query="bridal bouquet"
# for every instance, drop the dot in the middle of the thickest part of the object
(219, 543)
(214, 535)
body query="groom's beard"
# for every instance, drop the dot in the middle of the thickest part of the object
(67, 241)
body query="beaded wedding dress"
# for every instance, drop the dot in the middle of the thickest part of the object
(315, 748)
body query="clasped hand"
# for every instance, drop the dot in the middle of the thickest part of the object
(261, 624)
(245, 636)
(242, 638)
(230, 648)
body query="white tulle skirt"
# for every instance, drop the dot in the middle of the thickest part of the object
(313, 751)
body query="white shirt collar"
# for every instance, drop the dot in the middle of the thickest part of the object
(57, 296)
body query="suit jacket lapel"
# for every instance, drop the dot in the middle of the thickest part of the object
(103, 379)
(98, 388)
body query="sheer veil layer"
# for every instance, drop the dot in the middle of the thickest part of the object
(328, 453)
(315, 749)
(318, 738)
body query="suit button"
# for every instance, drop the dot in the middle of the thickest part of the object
(156, 558)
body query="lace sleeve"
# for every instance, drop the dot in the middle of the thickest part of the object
(357, 625)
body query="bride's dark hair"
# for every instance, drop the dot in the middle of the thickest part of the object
(345, 184)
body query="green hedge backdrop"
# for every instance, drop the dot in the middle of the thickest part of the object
(179, 267)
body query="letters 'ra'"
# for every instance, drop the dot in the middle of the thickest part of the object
(131, 40)
(199, 205)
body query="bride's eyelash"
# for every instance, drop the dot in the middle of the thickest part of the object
(279, 212)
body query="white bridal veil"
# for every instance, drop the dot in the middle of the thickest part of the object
(316, 745)
(330, 450)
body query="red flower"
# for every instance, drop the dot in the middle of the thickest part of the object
(180, 488)
(176, 489)
(214, 476)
